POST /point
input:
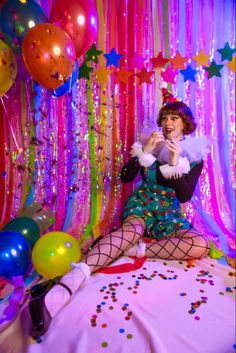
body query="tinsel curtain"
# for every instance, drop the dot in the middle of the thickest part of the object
(66, 153)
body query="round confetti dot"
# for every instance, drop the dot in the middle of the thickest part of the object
(127, 318)
(134, 292)
(121, 330)
(129, 336)
(183, 294)
(126, 304)
(103, 303)
(234, 345)
(221, 293)
(104, 344)
(104, 325)
(111, 307)
(197, 318)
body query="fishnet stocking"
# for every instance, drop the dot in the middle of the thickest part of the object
(182, 244)
(113, 245)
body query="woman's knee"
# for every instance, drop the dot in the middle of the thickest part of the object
(201, 246)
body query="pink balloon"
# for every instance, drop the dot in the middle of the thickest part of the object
(79, 19)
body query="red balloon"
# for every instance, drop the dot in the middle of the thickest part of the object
(79, 19)
(49, 55)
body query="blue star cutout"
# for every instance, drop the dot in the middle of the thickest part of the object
(189, 73)
(213, 69)
(226, 52)
(112, 58)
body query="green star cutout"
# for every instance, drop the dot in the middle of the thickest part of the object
(84, 71)
(226, 52)
(213, 69)
(92, 54)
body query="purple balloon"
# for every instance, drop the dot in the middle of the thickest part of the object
(22, 73)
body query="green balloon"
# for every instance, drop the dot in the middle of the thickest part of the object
(25, 226)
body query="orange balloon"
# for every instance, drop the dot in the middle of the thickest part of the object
(49, 55)
(8, 68)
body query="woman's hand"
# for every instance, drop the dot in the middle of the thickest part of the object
(175, 151)
(155, 139)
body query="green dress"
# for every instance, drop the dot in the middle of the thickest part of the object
(157, 205)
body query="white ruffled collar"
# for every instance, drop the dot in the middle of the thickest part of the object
(194, 148)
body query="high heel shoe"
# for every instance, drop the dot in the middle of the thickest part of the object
(39, 313)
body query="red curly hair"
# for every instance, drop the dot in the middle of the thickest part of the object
(182, 110)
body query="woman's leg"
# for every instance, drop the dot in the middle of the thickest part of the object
(106, 250)
(113, 245)
(184, 244)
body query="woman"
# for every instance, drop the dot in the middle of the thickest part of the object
(170, 167)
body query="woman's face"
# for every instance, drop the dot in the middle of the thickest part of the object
(172, 126)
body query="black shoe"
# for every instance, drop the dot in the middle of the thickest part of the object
(39, 313)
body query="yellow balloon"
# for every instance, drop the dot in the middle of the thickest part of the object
(54, 252)
(8, 68)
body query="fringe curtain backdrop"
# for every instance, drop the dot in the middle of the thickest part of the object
(67, 152)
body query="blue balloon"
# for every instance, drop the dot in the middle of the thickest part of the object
(17, 18)
(66, 87)
(15, 254)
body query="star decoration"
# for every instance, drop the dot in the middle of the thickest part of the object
(159, 61)
(202, 58)
(122, 76)
(178, 61)
(84, 71)
(169, 75)
(189, 73)
(112, 58)
(213, 69)
(232, 64)
(136, 62)
(93, 53)
(226, 52)
(102, 74)
(145, 76)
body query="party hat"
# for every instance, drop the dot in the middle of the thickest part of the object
(167, 96)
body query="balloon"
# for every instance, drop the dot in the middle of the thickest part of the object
(54, 252)
(15, 254)
(49, 55)
(42, 215)
(8, 68)
(66, 87)
(22, 72)
(16, 18)
(26, 227)
(79, 19)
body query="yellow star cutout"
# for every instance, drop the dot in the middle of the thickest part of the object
(102, 74)
(232, 64)
(202, 58)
